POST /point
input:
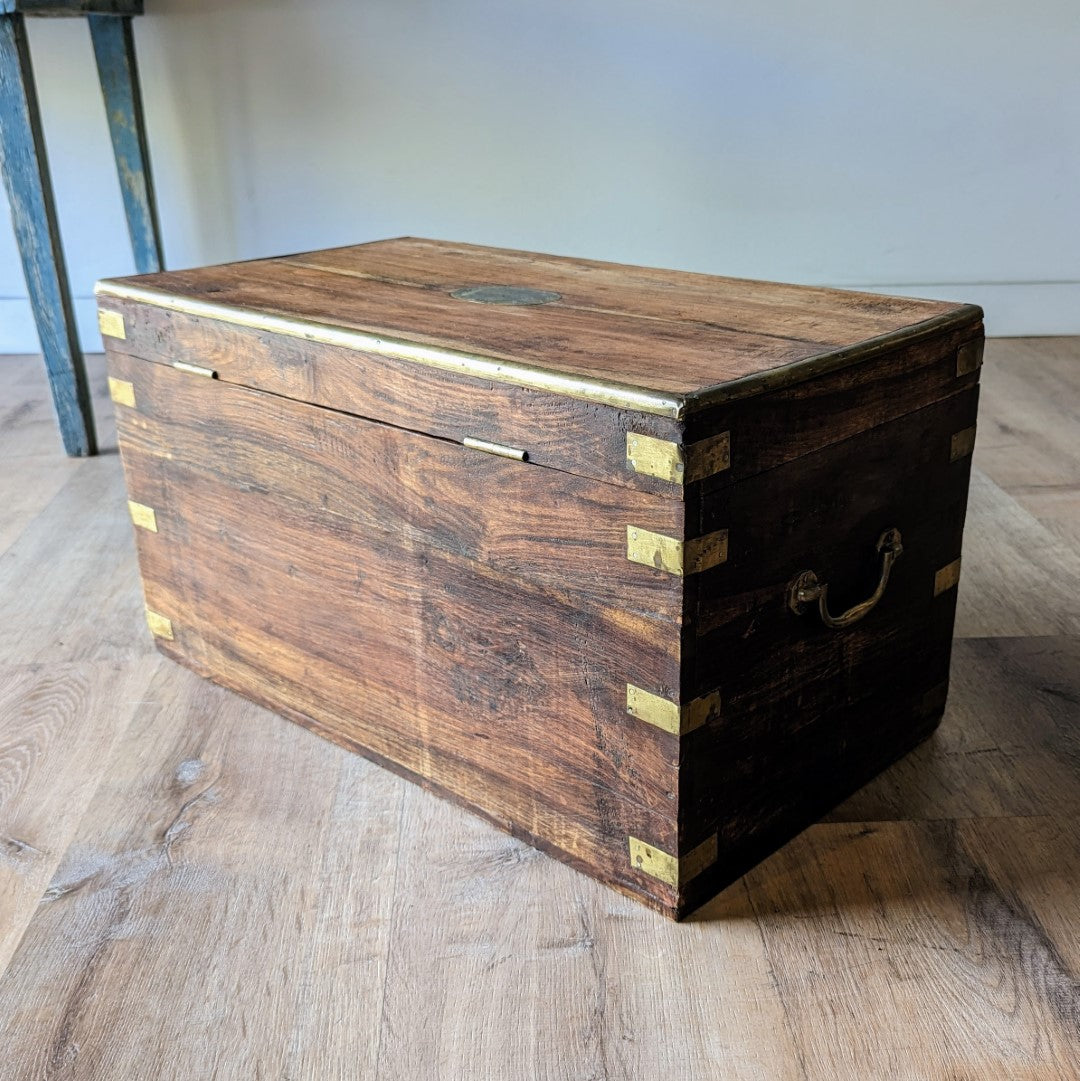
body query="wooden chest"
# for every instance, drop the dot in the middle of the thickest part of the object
(649, 568)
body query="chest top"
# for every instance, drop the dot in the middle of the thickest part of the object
(663, 342)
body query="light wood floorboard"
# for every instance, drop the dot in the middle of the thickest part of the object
(192, 888)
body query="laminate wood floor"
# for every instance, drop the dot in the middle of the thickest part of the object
(192, 888)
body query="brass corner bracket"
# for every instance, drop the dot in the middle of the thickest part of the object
(160, 626)
(142, 516)
(122, 392)
(670, 716)
(969, 357)
(676, 556)
(947, 578)
(674, 870)
(675, 462)
(111, 324)
(962, 444)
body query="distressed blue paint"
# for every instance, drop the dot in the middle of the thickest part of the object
(26, 176)
(114, 49)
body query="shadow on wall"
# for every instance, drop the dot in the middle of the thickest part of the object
(193, 76)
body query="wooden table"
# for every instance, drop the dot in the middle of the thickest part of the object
(29, 188)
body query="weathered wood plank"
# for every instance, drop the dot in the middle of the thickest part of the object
(1020, 578)
(1008, 746)
(553, 430)
(830, 316)
(216, 809)
(73, 601)
(563, 532)
(58, 727)
(928, 925)
(483, 687)
(1031, 446)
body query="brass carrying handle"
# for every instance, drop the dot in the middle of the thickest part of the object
(805, 587)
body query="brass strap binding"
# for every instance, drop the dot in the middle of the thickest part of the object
(806, 588)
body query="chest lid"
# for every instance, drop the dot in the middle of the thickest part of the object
(511, 347)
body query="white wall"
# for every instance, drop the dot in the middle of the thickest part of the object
(922, 148)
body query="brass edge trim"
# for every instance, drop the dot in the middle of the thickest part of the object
(669, 716)
(601, 391)
(947, 578)
(111, 324)
(160, 626)
(962, 444)
(674, 870)
(673, 555)
(194, 369)
(143, 516)
(675, 462)
(495, 448)
(517, 373)
(122, 392)
(798, 371)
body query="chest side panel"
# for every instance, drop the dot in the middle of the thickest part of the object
(471, 621)
(772, 428)
(809, 712)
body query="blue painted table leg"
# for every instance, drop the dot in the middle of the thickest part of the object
(114, 49)
(26, 175)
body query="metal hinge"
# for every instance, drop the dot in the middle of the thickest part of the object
(495, 448)
(674, 462)
(194, 369)
(674, 870)
(673, 555)
(670, 716)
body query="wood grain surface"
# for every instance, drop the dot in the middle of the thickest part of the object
(239, 898)
(662, 331)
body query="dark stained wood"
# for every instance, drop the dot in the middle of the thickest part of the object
(771, 429)
(326, 546)
(810, 713)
